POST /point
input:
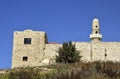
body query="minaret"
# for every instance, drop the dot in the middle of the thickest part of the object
(95, 36)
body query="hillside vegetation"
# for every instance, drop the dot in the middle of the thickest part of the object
(94, 70)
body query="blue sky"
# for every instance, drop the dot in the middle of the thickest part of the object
(62, 20)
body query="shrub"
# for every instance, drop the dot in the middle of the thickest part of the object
(79, 70)
(24, 73)
(67, 53)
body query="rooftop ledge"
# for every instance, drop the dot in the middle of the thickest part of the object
(95, 35)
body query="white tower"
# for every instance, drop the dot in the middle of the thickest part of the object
(95, 36)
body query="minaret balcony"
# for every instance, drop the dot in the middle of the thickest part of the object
(95, 35)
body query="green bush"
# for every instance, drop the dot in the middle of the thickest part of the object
(67, 53)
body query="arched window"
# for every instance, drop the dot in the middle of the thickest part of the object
(96, 26)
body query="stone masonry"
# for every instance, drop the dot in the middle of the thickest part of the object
(30, 48)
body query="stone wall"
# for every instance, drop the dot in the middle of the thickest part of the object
(111, 49)
(84, 49)
(49, 54)
(99, 51)
(39, 53)
(33, 51)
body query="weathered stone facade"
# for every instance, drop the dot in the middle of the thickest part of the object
(30, 48)
(99, 51)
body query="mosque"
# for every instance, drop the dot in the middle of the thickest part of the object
(31, 48)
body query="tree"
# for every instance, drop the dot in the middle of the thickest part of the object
(46, 39)
(68, 53)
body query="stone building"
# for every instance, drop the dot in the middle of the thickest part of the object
(31, 48)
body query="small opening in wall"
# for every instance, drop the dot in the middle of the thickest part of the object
(96, 32)
(25, 58)
(27, 40)
(105, 54)
(96, 26)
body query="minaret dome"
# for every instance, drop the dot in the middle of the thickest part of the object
(95, 19)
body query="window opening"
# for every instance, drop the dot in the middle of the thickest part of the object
(27, 40)
(96, 32)
(25, 58)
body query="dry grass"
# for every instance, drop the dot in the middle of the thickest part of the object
(94, 70)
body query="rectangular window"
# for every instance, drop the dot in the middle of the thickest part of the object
(27, 40)
(25, 58)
